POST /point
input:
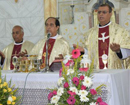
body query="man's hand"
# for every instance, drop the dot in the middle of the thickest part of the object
(115, 47)
(23, 53)
(79, 47)
(59, 57)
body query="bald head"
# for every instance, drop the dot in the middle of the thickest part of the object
(21, 28)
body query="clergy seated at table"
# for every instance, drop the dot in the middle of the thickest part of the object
(58, 47)
(17, 48)
(108, 44)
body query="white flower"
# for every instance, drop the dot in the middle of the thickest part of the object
(83, 93)
(84, 99)
(93, 103)
(55, 99)
(10, 99)
(60, 91)
(60, 81)
(87, 82)
(70, 71)
(74, 89)
(65, 61)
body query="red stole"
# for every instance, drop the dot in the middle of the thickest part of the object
(16, 50)
(103, 45)
(50, 47)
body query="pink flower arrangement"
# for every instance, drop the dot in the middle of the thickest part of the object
(75, 85)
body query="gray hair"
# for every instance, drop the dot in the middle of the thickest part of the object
(21, 28)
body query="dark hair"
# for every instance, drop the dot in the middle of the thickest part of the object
(57, 23)
(110, 8)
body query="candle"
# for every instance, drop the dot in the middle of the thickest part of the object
(72, 2)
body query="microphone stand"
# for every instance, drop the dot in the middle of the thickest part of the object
(47, 60)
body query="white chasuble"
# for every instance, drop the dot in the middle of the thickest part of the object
(117, 34)
(8, 52)
(60, 46)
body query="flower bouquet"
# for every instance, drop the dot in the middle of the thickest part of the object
(74, 85)
(7, 93)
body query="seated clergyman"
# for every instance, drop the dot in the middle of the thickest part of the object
(17, 48)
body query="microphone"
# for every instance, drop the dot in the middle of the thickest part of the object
(48, 35)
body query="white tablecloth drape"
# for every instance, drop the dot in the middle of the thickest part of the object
(119, 85)
(116, 81)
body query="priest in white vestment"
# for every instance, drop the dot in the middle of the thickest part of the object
(57, 47)
(15, 49)
(108, 44)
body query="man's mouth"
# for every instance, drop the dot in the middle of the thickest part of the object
(101, 17)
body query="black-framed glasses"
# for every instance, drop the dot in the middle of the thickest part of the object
(104, 12)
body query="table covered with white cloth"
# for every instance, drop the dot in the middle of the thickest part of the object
(37, 84)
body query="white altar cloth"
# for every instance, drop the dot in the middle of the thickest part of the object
(119, 84)
(116, 80)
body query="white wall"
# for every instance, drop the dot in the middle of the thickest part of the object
(27, 13)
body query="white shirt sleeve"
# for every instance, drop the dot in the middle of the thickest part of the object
(125, 53)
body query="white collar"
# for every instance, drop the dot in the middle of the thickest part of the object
(105, 25)
(54, 37)
(19, 43)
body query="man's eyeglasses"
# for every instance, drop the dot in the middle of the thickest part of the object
(104, 12)
(51, 25)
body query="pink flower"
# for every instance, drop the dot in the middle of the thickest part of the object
(99, 99)
(81, 77)
(69, 63)
(71, 93)
(83, 69)
(54, 92)
(50, 95)
(83, 87)
(103, 103)
(75, 53)
(93, 91)
(71, 100)
(75, 81)
(66, 85)
(60, 72)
